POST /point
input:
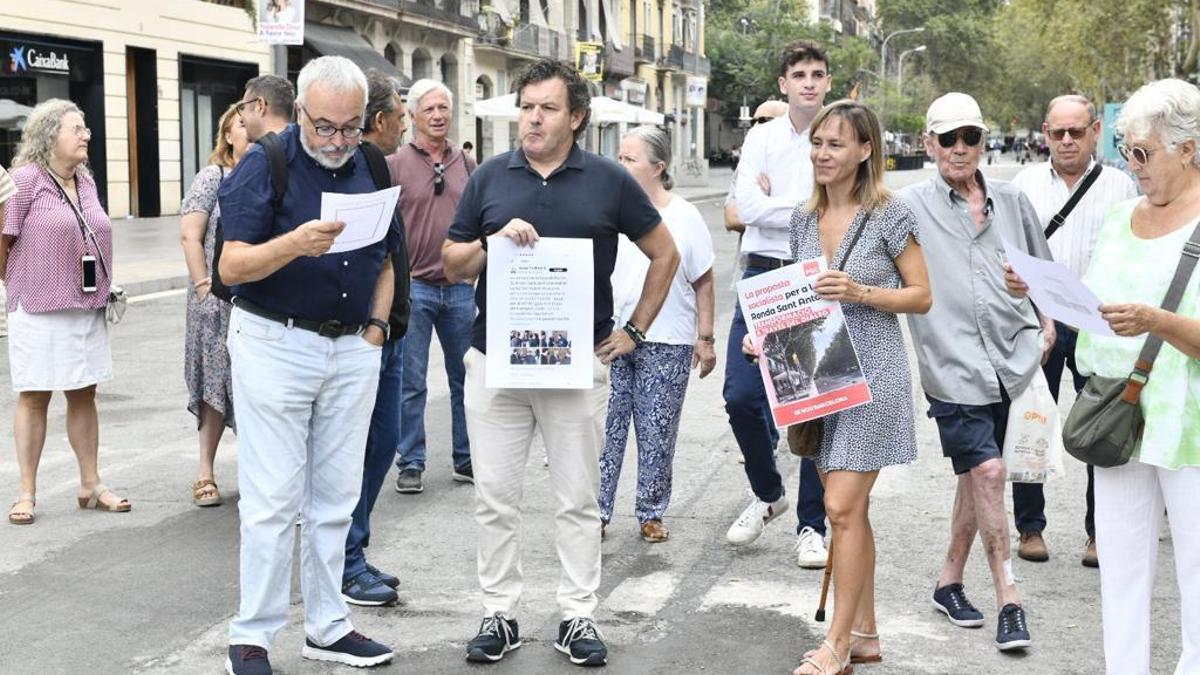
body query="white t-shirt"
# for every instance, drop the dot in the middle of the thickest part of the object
(676, 322)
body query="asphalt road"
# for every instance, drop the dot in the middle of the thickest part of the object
(153, 591)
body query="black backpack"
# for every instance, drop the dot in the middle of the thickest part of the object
(277, 161)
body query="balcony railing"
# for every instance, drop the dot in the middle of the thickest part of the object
(680, 59)
(645, 51)
(620, 61)
(459, 12)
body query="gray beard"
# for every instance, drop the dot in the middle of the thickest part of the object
(323, 159)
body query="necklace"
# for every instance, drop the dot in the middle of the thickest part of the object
(62, 179)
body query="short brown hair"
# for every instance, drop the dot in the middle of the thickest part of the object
(802, 50)
(579, 96)
(222, 154)
(869, 188)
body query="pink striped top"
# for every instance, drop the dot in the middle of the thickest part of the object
(43, 272)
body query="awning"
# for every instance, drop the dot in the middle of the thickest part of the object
(329, 40)
(606, 110)
(498, 108)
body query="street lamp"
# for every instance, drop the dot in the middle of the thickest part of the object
(900, 70)
(883, 48)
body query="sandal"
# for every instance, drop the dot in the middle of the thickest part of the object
(93, 502)
(205, 493)
(868, 658)
(23, 516)
(843, 667)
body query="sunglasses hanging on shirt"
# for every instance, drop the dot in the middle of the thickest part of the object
(439, 179)
(970, 136)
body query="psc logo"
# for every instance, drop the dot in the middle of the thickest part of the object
(17, 60)
(811, 268)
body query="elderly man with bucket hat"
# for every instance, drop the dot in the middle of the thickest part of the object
(978, 348)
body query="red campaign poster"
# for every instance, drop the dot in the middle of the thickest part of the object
(809, 366)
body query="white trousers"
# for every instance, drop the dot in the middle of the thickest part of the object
(303, 404)
(501, 424)
(1129, 510)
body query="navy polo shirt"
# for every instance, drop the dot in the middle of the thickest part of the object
(333, 286)
(588, 197)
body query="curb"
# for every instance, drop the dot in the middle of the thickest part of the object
(148, 286)
(704, 196)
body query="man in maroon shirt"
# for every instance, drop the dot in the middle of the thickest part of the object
(432, 174)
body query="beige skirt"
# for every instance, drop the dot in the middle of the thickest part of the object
(58, 351)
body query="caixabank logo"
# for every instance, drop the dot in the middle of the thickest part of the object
(25, 58)
(16, 60)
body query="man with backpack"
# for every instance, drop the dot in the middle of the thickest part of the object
(304, 342)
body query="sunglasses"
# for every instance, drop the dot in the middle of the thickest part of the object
(1075, 132)
(1135, 154)
(971, 136)
(762, 120)
(439, 178)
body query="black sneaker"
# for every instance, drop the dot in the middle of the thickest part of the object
(579, 639)
(1011, 631)
(367, 590)
(409, 482)
(247, 660)
(952, 601)
(464, 475)
(355, 649)
(391, 580)
(497, 636)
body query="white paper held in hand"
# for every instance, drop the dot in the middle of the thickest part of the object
(367, 217)
(1057, 292)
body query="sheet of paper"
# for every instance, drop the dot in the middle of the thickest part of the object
(540, 314)
(367, 217)
(1057, 292)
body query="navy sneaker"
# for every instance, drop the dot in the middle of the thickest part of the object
(355, 649)
(247, 660)
(580, 640)
(368, 590)
(1011, 630)
(952, 601)
(408, 482)
(497, 636)
(391, 580)
(464, 475)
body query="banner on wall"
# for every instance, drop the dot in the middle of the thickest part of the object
(697, 92)
(589, 60)
(281, 22)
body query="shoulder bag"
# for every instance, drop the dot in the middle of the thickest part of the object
(117, 301)
(1106, 423)
(1061, 217)
(804, 439)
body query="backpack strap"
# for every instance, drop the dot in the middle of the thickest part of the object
(272, 145)
(377, 163)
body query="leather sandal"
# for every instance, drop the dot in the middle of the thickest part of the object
(843, 667)
(23, 517)
(653, 531)
(870, 658)
(205, 493)
(93, 501)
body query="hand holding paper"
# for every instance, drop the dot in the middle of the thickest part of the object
(1057, 292)
(367, 216)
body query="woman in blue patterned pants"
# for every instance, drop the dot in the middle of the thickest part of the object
(648, 385)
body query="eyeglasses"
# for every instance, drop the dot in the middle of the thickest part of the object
(238, 108)
(439, 178)
(1135, 154)
(328, 130)
(81, 131)
(762, 120)
(1075, 132)
(970, 135)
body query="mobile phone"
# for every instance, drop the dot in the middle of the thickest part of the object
(87, 265)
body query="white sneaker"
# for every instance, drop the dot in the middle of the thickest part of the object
(810, 550)
(752, 521)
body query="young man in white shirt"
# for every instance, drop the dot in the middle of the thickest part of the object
(1072, 130)
(779, 152)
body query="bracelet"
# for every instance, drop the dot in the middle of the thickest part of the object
(710, 339)
(634, 333)
(862, 299)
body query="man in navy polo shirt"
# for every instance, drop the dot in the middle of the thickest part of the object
(304, 342)
(552, 188)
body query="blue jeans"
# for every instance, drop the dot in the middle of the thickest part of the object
(381, 448)
(750, 418)
(1029, 500)
(451, 311)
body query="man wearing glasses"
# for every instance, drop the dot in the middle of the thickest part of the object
(432, 174)
(266, 106)
(977, 348)
(305, 343)
(1072, 130)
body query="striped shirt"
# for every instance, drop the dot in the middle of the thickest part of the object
(43, 272)
(7, 189)
(1073, 243)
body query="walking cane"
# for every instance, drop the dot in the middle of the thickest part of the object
(825, 583)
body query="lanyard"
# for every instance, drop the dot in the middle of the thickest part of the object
(84, 229)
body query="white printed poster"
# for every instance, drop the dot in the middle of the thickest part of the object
(281, 22)
(540, 314)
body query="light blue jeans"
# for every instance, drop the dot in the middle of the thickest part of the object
(451, 311)
(303, 404)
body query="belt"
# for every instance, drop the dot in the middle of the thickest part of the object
(755, 260)
(330, 329)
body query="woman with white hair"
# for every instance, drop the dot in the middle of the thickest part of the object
(649, 384)
(1135, 258)
(56, 261)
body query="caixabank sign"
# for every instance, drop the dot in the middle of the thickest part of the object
(32, 58)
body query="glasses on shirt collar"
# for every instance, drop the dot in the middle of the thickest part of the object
(762, 120)
(328, 130)
(969, 135)
(439, 178)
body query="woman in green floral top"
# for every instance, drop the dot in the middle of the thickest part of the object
(1131, 270)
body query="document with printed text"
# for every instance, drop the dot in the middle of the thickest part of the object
(1057, 292)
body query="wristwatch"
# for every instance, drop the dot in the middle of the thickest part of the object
(707, 338)
(383, 326)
